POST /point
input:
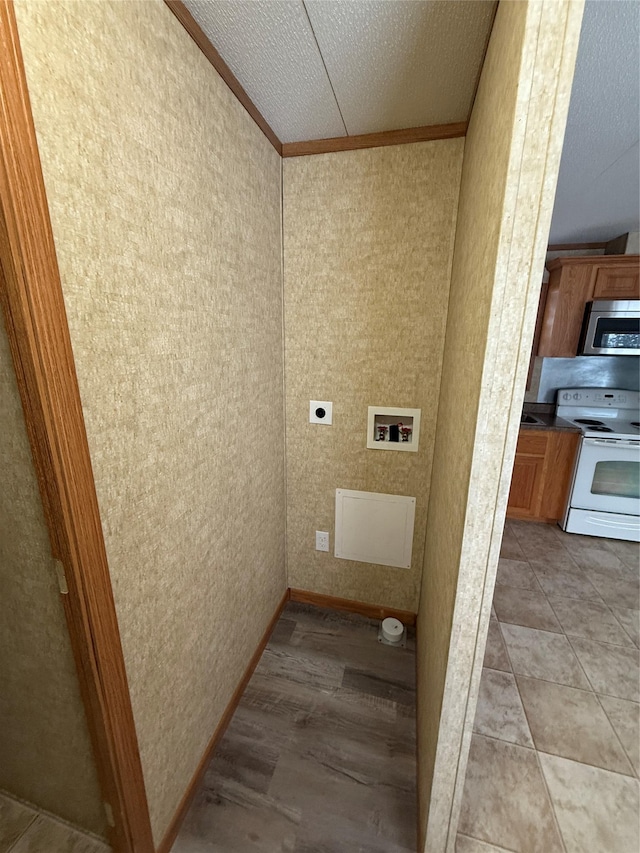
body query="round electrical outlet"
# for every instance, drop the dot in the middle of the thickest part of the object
(320, 412)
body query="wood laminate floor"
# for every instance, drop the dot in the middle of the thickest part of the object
(320, 754)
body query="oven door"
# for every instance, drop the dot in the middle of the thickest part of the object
(608, 476)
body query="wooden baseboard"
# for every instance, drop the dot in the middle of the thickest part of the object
(171, 833)
(373, 611)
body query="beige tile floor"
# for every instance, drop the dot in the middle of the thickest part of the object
(26, 830)
(555, 755)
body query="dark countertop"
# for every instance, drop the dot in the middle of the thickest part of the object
(547, 420)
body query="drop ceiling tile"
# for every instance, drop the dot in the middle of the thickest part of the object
(270, 47)
(400, 63)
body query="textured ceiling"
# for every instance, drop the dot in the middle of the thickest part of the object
(598, 195)
(401, 64)
(321, 69)
(269, 46)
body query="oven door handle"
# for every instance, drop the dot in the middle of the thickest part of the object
(610, 442)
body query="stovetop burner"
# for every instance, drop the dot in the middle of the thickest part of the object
(635, 424)
(600, 428)
(589, 422)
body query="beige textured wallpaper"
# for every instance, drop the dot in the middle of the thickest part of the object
(165, 202)
(511, 160)
(368, 239)
(45, 753)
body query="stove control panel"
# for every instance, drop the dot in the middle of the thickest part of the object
(601, 398)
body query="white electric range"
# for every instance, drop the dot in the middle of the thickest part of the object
(604, 499)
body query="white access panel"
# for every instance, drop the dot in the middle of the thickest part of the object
(374, 528)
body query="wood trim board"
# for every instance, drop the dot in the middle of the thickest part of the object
(428, 133)
(372, 611)
(174, 827)
(35, 317)
(593, 260)
(201, 39)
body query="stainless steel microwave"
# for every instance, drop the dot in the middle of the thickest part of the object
(611, 328)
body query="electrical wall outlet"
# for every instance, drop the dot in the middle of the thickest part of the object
(322, 540)
(320, 412)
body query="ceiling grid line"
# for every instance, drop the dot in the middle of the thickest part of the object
(324, 65)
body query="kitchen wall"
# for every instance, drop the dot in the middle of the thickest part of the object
(368, 239)
(45, 753)
(166, 209)
(511, 158)
(611, 371)
(633, 243)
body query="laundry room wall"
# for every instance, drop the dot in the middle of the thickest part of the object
(368, 241)
(165, 205)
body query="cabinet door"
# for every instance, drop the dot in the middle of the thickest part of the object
(526, 486)
(617, 283)
(558, 471)
(542, 474)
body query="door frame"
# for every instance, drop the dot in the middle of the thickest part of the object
(36, 322)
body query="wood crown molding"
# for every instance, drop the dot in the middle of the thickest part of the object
(174, 827)
(602, 260)
(36, 322)
(372, 611)
(201, 39)
(428, 133)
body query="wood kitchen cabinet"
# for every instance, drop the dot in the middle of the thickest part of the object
(542, 474)
(572, 283)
